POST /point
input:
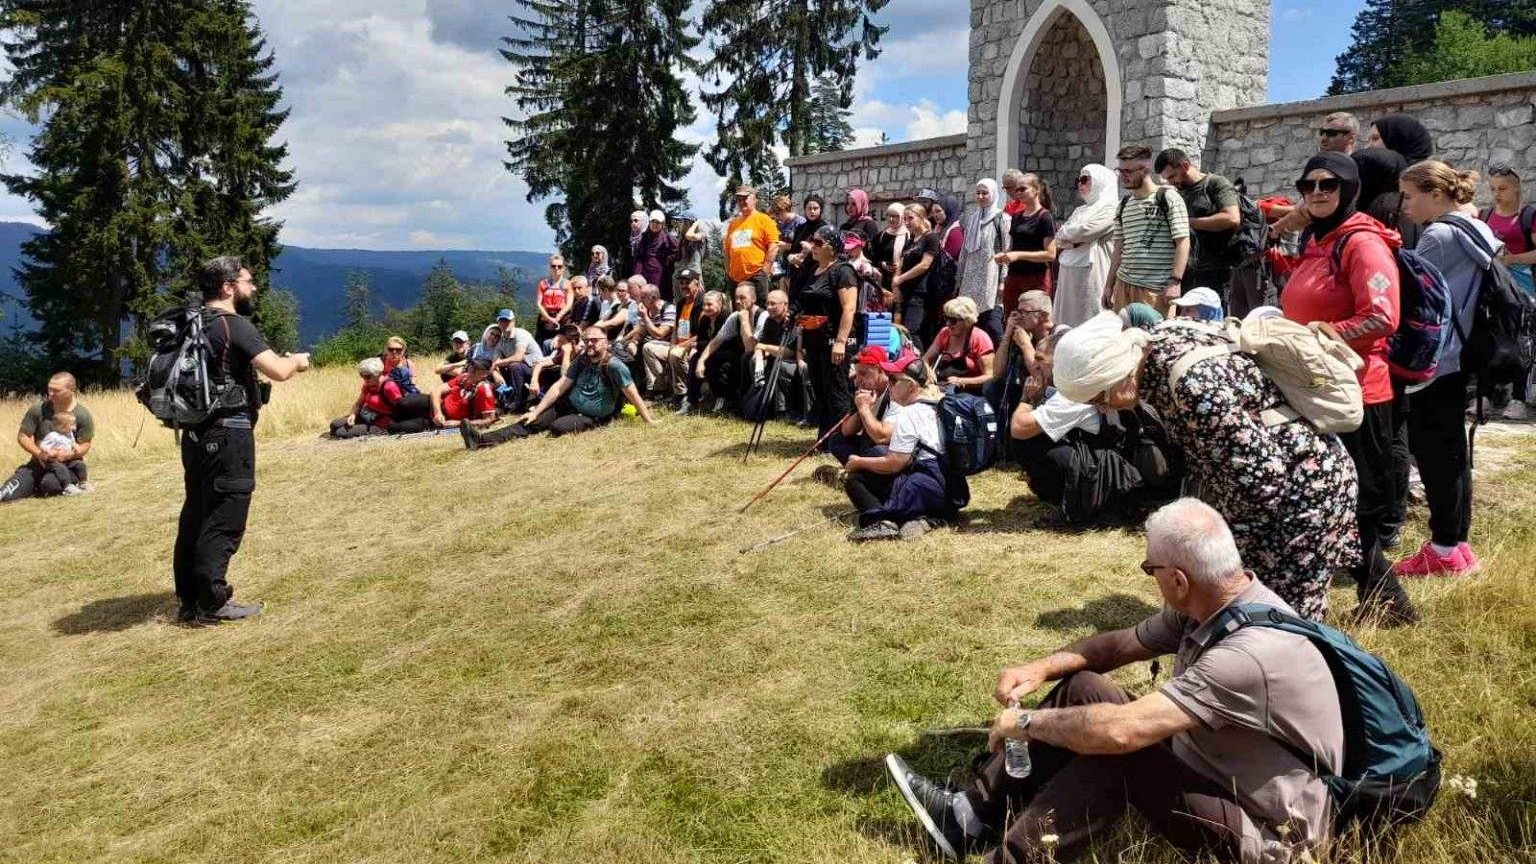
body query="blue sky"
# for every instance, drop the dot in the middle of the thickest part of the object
(396, 134)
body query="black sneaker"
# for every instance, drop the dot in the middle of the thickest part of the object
(232, 611)
(933, 805)
(882, 530)
(471, 436)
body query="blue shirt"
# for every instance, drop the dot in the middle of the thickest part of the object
(596, 393)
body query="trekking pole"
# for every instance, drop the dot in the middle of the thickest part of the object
(139, 433)
(774, 541)
(770, 393)
(796, 464)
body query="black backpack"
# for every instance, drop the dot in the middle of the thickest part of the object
(1252, 232)
(1527, 221)
(178, 386)
(1501, 341)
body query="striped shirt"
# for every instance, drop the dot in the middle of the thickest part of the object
(1146, 239)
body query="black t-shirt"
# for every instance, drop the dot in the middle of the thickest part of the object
(882, 250)
(773, 332)
(233, 342)
(1208, 197)
(820, 296)
(803, 274)
(584, 311)
(453, 357)
(866, 227)
(1030, 234)
(928, 244)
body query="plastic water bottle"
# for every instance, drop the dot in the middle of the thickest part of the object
(1016, 753)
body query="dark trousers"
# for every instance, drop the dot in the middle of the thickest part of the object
(1370, 447)
(762, 283)
(219, 466)
(914, 317)
(991, 322)
(721, 372)
(558, 419)
(32, 479)
(1046, 464)
(1402, 459)
(868, 491)
(516, 377)
(831, 391)
(1216, 278)
(341, 429)
(843, 448)
(1077, 797)
(1437, 434)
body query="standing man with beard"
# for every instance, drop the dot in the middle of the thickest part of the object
(218, 458)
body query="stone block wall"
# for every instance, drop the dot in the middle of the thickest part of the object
(1064, 111)
(892, 172)
(1475, 121)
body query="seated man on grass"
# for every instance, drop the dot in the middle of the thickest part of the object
(866, 431)
(1208, 759)
(588, 395)
(37, 476)
(905, 492)
(466, 401)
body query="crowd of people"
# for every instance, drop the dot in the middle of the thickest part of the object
(1099, 335)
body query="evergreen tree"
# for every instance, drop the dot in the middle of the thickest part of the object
(771, 54)
(1389, 34)
(438, 308)
(151, 155)
(277, 317)
(358, 300)
(1464, 48)
(599, 83)
(830, 129)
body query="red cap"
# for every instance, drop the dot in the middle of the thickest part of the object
(873, 355)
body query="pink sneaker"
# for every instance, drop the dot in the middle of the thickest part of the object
(1428, 562)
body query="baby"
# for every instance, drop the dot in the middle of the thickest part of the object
(59, 445)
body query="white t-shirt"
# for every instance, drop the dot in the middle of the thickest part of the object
(1060, 415)
(917, 423)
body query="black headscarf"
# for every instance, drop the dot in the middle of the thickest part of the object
(1407, 136)
(807, 229)
(1342, 167)
(1379, 170)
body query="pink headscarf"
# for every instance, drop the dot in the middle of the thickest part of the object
(858, 204)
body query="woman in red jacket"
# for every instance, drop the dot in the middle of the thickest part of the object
(1359, 298)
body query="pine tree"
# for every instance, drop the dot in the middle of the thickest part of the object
(770, 56)
(830, 129)
(599, 83)
(1389, 36)
(152, 154)
(1464, 48)
(358, 301)
(438, 308)
(277, 317)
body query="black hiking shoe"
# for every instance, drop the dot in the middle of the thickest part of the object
(473, 440)
(882, 530)
(933, 805)
(230, 611)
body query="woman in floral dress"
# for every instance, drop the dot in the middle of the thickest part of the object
(1287, 491)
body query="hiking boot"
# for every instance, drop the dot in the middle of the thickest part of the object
(915, 529)
(1392, 540)
(685, 408)
(232, 611)
(829, 475)
(1428, 562)
(882, 530)
(1383, 612)
(471, 435)
(933, 805)
(718, 406)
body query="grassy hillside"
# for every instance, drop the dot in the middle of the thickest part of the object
(554, 652)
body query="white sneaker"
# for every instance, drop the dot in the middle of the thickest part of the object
(1515, 410)
(72, 489)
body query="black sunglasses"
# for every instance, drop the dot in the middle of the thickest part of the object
(1332, 133)
(1326, 186)
(951, 319)
(1151, 569)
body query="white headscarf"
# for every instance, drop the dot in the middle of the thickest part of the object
(1096, 355)
(978, 234)
(1092, 219)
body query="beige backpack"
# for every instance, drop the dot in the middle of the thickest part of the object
(1312, 366)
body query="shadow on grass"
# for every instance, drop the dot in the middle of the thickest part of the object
(936, 756)
(115, 614)
(1104, 613)
(768, 449)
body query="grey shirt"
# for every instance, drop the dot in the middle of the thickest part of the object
(1251, 686)
(1461, 263)
(731, 328)
(517, 339)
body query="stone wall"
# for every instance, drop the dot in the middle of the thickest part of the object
(891, 172)
(1475, 121)
(1064, 107)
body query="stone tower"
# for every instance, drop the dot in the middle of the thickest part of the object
(1057, 84)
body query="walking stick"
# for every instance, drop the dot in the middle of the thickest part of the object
(771, 390)
(774, 541)
(803, 456)
(140, 432)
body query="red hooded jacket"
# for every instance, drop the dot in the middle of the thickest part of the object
(1360, 300)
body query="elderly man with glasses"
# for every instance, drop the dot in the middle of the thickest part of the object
(591, 393)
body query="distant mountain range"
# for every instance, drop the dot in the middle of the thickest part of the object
(316, 276)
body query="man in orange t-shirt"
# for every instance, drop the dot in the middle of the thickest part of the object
(748, 239)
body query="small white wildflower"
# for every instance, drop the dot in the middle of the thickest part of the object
(1049, 839)
(1463, 784)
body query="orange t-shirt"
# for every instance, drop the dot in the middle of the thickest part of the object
(747, 240)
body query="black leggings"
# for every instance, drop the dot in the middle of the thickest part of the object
(831, 391)
(1370, 447)
(1437, 434)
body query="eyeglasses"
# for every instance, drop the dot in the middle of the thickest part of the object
(951, 319)
(557, 266)
(395, 349)
(1324, 186)
(1128, 171)
(595, 340)
(1332, 133)
(1151, 569)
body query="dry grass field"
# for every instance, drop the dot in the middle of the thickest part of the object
(553, 652)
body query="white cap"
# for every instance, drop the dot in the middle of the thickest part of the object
(658, 216)
(1200, 297)
(459, 336)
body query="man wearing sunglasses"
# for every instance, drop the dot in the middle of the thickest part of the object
(589, 394)
(1208, 758)
(1337, 133)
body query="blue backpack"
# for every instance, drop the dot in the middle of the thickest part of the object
(1391, 771)
(1425, 322)
(401, 375)
(969, 426)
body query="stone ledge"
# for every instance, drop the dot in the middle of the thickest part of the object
(940, 143)
(1394, 96)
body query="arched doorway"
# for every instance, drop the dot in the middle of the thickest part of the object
(1061, 97)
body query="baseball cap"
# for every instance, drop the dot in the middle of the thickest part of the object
(927, 194)
(505, 315)
(744, 190)
(873, 355)
(853, 240)
(459, 336)
(908, 364)
(1199, 297)
(829, 235)
(1035, 301)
